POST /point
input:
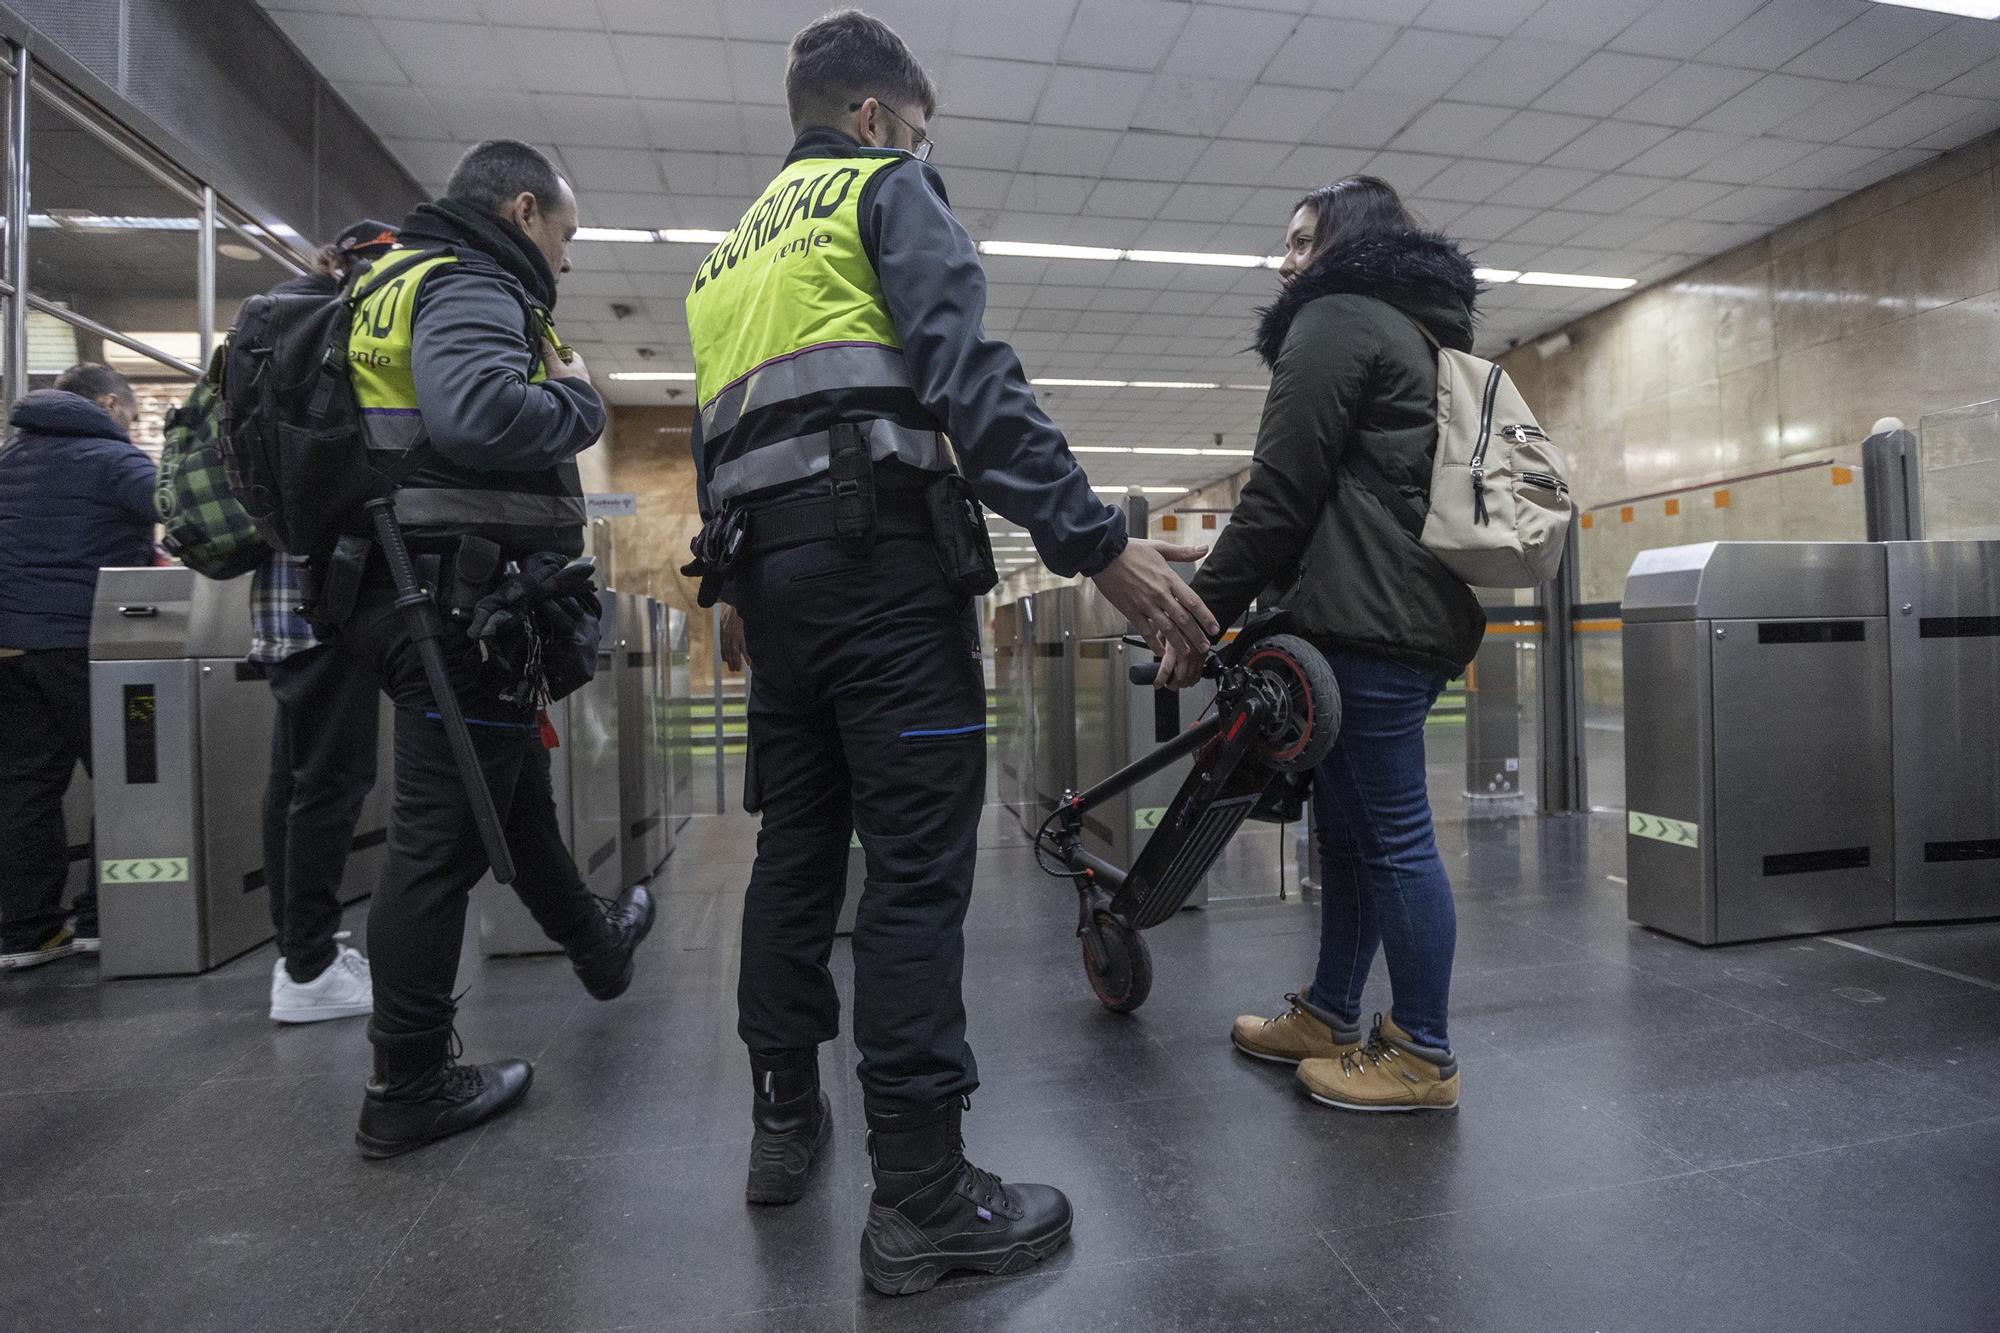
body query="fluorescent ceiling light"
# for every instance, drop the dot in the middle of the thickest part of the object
(1196, 257)
(1496, 274)
(1250, 388)
(1577, 280)
(1098, 449)
(1039, 250)
(1080, 384)
(615, 234)
(1173, 384)
(1185, 453)
(1147, 490)
(692, 236)
(1972, 9)
(1036, 250)
(1228, 453)
(84, 220)
(652, 374)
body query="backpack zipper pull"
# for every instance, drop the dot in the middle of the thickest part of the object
(1479, 495)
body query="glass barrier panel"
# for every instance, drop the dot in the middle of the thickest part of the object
(1960, 473)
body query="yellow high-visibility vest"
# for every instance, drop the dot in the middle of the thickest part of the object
(791, 336)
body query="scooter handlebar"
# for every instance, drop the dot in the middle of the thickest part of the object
(1144, 673)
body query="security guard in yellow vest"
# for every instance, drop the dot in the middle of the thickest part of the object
(453, 352)
(841, 368)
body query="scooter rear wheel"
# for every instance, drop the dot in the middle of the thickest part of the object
(1123, 977)
(1312, 718)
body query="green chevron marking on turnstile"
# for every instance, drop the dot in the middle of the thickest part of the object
(853, 842)
(1674, 832)
(1148, 816)
(144, 870)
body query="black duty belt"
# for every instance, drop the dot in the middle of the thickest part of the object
(797, 522)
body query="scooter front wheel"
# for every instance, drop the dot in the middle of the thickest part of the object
(1117, 964)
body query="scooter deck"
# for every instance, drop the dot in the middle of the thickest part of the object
(1220, 791)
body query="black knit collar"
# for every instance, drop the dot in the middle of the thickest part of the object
(456, 223)
(1420, 273)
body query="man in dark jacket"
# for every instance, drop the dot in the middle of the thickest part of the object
(75, 495)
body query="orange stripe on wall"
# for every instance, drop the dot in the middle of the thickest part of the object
(1843, 476)
(1588, 520)
(1722, 499)
(1673, 507)
(1625, 514)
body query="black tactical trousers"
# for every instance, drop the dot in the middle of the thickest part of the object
(867, 716)
(417, 919)
(322, 768)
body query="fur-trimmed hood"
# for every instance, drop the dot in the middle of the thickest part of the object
(1421, 273)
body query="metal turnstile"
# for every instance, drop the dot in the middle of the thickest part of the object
(1757, 754)
(1013, 676)
(1944, 665)
(1117, 723)
(1053, 699)
(584, 772)
(680, 721)
(642, 787)
(181, 747)
(1493, 711)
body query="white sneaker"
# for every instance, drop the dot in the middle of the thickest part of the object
(58, 945)
(344, 990)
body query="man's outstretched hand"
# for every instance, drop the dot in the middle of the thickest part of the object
(1161, 607)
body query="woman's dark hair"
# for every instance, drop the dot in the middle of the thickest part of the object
(1357, 208)
(849, 57)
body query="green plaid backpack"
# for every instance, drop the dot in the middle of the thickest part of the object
(206, 527)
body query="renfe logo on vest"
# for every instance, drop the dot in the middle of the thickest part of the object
(797, 201)
(809, 241)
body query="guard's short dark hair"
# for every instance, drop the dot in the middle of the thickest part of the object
(849, 57)
(91, 380)
(493, 173)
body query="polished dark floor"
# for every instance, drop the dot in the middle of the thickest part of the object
(1796, 1135)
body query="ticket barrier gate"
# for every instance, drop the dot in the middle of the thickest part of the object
(1944, 665)
(680, 722)
(1757, 740)
(1013, 680)
(1052, 691)
(642, 760)
(181, 747)
(584, 772)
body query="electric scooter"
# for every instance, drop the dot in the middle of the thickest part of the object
(1276, 714)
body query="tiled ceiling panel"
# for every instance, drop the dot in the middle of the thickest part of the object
(1625, 138)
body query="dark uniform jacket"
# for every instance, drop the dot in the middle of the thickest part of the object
(75, 495)
(1351, 374)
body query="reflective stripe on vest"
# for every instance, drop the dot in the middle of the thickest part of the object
(791, 337)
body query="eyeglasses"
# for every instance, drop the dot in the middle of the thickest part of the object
(922, 152)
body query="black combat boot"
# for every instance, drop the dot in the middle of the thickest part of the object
(605, 965)
(793, 1122)
(936, 1213)
(421, 1093)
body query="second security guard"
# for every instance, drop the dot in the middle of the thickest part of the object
(844, 382)
(454, 353)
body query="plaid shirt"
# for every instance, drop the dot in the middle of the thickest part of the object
(277, 630)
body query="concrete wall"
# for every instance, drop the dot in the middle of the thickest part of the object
(1777, 358)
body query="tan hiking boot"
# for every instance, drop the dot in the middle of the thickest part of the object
(1390, 1073)
(1302, 1032)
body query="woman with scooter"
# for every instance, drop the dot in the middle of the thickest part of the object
(1352, 340)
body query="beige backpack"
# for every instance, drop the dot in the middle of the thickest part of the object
(1499, 512)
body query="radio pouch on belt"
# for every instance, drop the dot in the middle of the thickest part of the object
(852, 472)
(475, 568)
(332, 589)
(958, 527)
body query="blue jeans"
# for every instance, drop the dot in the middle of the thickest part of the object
(1382, 880)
